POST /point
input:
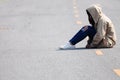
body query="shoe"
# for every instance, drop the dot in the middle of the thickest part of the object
(68, 45)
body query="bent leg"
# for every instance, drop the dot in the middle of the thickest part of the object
(82, 34)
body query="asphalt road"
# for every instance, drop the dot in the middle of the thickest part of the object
(32, 30)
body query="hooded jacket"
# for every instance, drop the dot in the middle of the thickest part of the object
(105, 35)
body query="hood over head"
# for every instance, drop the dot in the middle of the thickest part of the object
(95, 11)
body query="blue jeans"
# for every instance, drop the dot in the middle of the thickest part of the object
(82, 34)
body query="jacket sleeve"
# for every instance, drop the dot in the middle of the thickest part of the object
(101, 32)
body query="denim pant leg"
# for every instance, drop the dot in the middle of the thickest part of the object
(83, 33)
(91, 34)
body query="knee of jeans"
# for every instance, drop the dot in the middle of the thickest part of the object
(85, 28)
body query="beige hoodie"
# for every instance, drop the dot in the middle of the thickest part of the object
(105, 36)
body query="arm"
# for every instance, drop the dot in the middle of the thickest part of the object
(101, 32)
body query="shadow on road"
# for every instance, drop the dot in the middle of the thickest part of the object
(82, 48)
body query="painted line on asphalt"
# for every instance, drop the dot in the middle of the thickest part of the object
(75, 7)
(117, 72)
(99, 52)
(76, 16)
(4, 28)
(74, 2)
(78, 22)
(76, 13)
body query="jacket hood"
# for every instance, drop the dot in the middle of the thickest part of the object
(95, 11)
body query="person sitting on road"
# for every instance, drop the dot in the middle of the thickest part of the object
(101, 32)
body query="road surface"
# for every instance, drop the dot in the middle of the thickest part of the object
(32, 30)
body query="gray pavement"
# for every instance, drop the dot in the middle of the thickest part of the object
(31, 32)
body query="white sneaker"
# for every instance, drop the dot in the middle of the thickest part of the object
(68, 45)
